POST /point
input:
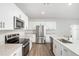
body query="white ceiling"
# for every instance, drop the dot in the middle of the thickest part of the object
(52, 10)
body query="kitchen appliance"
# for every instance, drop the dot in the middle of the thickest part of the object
(14, 39)
(18, 23)
(40, 34)
(25, 47)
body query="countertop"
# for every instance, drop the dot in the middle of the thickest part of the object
(8, 49)
(74, 47)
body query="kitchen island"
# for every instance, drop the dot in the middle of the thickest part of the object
(10, 49)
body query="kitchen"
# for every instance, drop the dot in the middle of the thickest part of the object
(20, 33)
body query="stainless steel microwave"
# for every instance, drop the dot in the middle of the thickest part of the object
(18, 23)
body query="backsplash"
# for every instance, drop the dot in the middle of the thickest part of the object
(48, 31)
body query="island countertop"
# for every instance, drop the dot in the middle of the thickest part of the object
(8, 49)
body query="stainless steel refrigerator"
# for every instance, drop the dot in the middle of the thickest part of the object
(40, 34)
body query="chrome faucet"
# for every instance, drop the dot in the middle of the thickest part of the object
(69, 37)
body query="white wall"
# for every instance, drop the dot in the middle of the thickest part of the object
(62, 26)
(7, 11)
(48, 24)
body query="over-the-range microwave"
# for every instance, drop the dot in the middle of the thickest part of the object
(18, 23)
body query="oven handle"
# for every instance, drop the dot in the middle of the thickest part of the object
(25, 44)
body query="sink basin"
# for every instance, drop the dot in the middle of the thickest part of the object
(64, 41)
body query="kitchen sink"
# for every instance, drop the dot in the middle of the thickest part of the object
(64, 41)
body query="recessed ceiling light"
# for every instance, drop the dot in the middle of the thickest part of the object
(42, 12)
(69, 4)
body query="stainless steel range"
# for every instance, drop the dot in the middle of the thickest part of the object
(14, 39)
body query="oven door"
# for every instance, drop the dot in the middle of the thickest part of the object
(25, 49)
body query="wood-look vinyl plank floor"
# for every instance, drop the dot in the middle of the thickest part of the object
(40, 50)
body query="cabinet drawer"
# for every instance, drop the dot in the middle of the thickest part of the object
(67, 52)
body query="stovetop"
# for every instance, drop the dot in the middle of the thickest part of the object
(23, 40)
(14, 39)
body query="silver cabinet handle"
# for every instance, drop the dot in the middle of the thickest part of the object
(65, 50)
(0, 25)
(14, 54)
(3, 25)
(61, 52)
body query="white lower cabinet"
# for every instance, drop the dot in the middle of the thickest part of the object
(72, 53)
(61, 50)
(18, 52)
(30, 45)
(67, 52)
(54, 47)
(57, 49)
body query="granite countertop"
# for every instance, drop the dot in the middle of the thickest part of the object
(8, 49)
(74, 47)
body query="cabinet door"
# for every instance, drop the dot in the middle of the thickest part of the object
(57, 48)
(18, 52)
(0, 25)
(1, 22)
(8, 24)
(5, 23)
(54, 47)
(67, 52)
(30, 45)
(72, 53)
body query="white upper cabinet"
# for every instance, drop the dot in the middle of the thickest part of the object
(7, 12)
